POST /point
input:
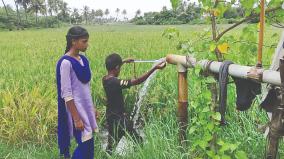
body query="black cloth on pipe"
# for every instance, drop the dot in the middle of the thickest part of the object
(223, 81)
(271, 101)
(246, 91)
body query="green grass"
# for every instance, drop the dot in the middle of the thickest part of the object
(28, 92)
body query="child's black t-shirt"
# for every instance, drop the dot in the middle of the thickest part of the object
(113, 89)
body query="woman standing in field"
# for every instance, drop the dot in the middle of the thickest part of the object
(76, 112)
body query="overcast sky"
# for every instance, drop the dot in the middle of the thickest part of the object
(130, 5)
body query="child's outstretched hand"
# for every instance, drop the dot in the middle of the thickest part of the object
(161, 65)
(128, 60)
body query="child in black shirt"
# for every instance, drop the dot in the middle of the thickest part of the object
(117, 120)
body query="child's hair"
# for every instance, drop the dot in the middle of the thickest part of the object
(112, 61)
(76, 32)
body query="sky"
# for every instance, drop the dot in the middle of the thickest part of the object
(131, 6)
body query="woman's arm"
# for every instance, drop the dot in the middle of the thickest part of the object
(67, 94)
(79, 125)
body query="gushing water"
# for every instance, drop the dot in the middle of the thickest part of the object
(141, 94)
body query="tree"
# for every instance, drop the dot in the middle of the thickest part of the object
(64, 11)
(164, 8)
(5, 8)
(192, 11)
(117, 12)
(231, 13)
(52, 6)
(24, 4)
(138, 13)
(124, 13)
(92, 16)
(75, 16)
(216, 9)
(86, 12)
(106, 13)
(37, 6)
(9, 25)
(18, 14)
(99, 13)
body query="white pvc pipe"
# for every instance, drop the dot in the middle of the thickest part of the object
(269, 76)
(272, 77)
(183, 62)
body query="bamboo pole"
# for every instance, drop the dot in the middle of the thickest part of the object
(261, 34)
(182, 112)
(182, 106)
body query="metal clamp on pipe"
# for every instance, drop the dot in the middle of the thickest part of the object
(256, 74)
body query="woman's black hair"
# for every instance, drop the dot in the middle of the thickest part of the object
(76, 32)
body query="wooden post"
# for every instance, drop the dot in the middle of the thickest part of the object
(261, 34)
(182, 103)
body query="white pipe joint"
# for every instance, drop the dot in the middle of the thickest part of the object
(182, 62)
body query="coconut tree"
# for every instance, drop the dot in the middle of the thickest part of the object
(5, 8)
(86, 12)
(18, 14)
(64, 11)
(52, 6)
(117, 12)
(75, 15)
(24, 4)
(99, 13)
(37, 6)
(92, 16)
(124, 13)
(138, 13)
(106, 13)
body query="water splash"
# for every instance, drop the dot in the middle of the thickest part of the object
(141, 95)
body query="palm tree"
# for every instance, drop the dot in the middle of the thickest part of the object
(64, 10)
(164, 9)
(37, 6)
(76, 15)
(92, 16)
(18, 14)
(51, 6)
(99, 13)
(5, 8)
(24, 4)
(86, 11)
(124, 12)
(54, 7)
(117, 12)
(106, 13)
(138, 12)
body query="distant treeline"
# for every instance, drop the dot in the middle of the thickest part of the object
(187, 13)
(53, 13)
